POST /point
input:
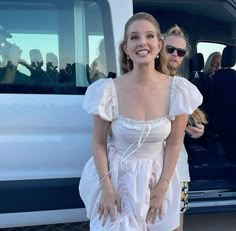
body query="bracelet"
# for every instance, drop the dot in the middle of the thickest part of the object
(165, 179)
(101, 178)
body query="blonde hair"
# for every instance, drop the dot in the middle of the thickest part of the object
(179, 32)
(207, 67)
(126, 64)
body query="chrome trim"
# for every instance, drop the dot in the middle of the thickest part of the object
(212, 203)
(211, 194)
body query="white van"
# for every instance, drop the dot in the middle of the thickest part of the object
(45, 136)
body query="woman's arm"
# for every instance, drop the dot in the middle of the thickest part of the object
(173, 145)
(172, 149)
(108, 197)
(100, 133)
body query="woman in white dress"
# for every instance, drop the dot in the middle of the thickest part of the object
(131, 183)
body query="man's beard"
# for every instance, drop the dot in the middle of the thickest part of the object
(171, 69)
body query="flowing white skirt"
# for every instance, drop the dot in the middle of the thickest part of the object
(132, 179)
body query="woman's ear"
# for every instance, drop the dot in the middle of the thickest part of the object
(125, 49)
(160, 44)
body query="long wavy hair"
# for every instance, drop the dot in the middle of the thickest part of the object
(126, 64)
(207, 67)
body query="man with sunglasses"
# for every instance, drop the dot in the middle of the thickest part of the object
(180, 52)
(177, 47)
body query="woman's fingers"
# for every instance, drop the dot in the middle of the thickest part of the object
(112, 214)
(100, 212)
(156, 213)
(118, 204)
(107, 208)
(160, 212)
(105, 215)
(151, 213)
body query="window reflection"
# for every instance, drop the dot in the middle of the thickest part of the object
(56, 49)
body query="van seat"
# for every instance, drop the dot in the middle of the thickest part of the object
(223, 100)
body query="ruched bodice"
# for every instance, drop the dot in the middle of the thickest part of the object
(139, 138)
(135, 154)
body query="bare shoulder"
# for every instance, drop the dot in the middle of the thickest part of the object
(121, 81)
(166, 80)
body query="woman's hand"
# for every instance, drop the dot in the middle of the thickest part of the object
(195, 132)
(156, 200)
(108, 200)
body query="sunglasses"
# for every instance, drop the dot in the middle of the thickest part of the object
(180, 52)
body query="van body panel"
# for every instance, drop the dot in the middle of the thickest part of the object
(45, 134)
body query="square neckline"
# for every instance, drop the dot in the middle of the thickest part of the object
(152, 121)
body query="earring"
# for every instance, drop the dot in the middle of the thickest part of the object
(157, 56)
(127, 57)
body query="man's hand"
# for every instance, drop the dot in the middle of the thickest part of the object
(195, 132)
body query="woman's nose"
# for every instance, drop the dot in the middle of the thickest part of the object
(142, 41)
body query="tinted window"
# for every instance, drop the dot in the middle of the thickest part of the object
(207, 48)
(53, 45)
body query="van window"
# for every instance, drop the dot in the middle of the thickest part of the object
(207, 48)
(51, 47)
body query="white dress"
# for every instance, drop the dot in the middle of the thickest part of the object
(135, 156)
(182, 165)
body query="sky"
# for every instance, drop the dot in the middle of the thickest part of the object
(37, 41)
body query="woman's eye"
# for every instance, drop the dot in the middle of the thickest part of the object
(134, 38)
(150, 35)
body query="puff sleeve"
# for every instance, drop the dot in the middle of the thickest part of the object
(185, 97)
(100, 99)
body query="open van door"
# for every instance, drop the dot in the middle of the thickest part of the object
(210, 24)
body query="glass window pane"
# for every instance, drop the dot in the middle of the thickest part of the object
(52, 47)
(207, 48)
